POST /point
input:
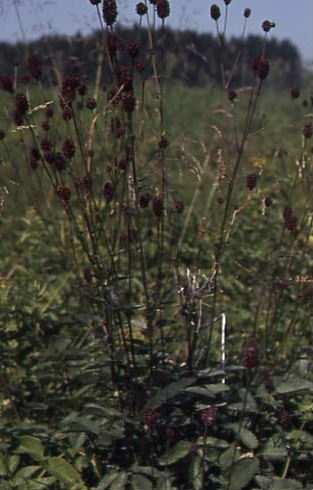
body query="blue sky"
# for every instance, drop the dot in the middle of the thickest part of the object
(293, 18)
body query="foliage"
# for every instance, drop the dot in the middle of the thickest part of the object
(155, 275)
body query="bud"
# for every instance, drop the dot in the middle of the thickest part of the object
(215, 12)
(247, 13)
(267, 25)
(307, 130)
(209, 415)
(251, 355)
(109, 12)
(163, 8)
(141, 8)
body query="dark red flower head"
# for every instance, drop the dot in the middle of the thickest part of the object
(34, 66)
(6, 84)
(141, 8)
(163, 8)
(109, 11)
(215, 12)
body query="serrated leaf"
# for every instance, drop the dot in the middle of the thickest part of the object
(141, 482)
(107, 480)
(146, 470)
(293, 384)
(32, 446)
(13, 462)
(208, 390)
(284, 484)
(170, 391)
(119, 482)
(62, 470)
(228, 457)
(179, 451)
(245, 435)
(242, 472)
(212, 442)
(275, 453)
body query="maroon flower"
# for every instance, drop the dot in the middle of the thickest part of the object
(163, 143)
(46, 145)
(95, 2)
(158, 206)
(59, 162)
(163, 8)
(150, 418)
(133, 49)
(144, 200)
(268, 201)
(33, 163)
(6, 84)
(68, 148)
(141, 8)
(64, 193)
(251, 181)
(307, 130)
(251, 355)
(108, 191)
(49, 112)
(267, 25)
(209, 415)
(232, 95)
(67, 113)
(227, 2)
(260, 67)
(34, 66)
(70, 85)
(45, 125)
(140, 66)
(294, 93)
(179, 206)
(247, 13)
(129, 102)
(21, 104)
(109, 12)
(91, 103)
(215, 12)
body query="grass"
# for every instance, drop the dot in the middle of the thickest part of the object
(156, 285)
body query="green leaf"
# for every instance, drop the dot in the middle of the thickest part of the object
(245, 435)
(170, 391)
(62, 470)
(242, 472)
(229, 456)
(284, 484)
(32, 446)
(208, 390)
(212, 442)
(179, 451)
(293, 384)
(107, 480)
(3, 466)
(196, 473)
(27, 471)
(120, 481)
(13, 462)
(141, 482)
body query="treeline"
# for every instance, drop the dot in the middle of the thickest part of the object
(186, 56)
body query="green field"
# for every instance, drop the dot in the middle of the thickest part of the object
(156, 286)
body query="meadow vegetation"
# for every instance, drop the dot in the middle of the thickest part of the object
(156, 271)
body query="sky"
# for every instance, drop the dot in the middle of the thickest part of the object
(293, 18)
